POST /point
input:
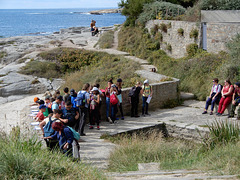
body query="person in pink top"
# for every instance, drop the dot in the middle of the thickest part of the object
(226, 99)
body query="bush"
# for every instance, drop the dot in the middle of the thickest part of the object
(220, 5)
(192, 49)
(180, 32)
(169, 47)
(194, 34)
(106, 40)
(160, 10)
(22, 158)
(163, 27)
(154, 30)
(158, 37)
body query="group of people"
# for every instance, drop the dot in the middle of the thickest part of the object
(224, 95)
(58, 114)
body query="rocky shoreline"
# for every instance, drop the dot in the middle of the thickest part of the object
(15, 52)
(106, 11)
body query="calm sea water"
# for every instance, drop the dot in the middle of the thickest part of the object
(21, 22)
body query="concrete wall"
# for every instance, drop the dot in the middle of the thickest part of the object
(162, 93)
(220, 33)
(178, 42)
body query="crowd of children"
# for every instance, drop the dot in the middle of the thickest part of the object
(72, 109)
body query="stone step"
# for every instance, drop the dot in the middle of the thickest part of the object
(186, 96)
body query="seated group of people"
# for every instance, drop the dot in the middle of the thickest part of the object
(224, 95)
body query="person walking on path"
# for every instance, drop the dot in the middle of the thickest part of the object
(146, 93)
(226, 99)
(134, 99)
(214, 97)
(114, 103)
(235, 101)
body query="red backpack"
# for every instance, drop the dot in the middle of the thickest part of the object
(113, 99)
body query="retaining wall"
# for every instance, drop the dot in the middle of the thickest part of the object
(178, 42)
(163, 93)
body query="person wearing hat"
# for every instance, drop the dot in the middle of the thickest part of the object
(214, 97)
(40, 116)
(94, 108)
(146, 92)
(119, 95)
(235, 101)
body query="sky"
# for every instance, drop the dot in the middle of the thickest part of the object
(43, 4)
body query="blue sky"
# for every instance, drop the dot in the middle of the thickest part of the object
(38, 4)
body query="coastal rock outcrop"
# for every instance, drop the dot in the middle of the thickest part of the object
(106, 11)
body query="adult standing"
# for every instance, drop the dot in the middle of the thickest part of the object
(146, 92)
(83, 99)
(226, 99)
(214, 97)
(134, 99)
(119, 95)
(107, 94)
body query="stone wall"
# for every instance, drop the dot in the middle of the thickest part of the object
(178, 42)
(220, 33)
(163, 92)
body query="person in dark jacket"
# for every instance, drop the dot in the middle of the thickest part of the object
(134, 99)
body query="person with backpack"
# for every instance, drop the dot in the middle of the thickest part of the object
(72, 98)
(107, 94)
(82, 102)
(66, 94)
(46, 127)
(227, 93)
(214, 97)
(134, 99)
(94, 106)
(146, 92)
(119, 95)
(70, 115)
(114, 103)
(65, 137)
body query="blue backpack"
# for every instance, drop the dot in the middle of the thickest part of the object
(80, 100)
(73, 101)
(48, 131)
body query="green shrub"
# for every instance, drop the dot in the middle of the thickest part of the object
(194, 34)
(158, 37)
(192, 49)
(106, 40)
(42, 69)
(180, 32)
(169, 25)
(165, 10)
(22, 158)
(169, 47)
(3, 54)
(221, 133)
(220, 4)
(163, 27)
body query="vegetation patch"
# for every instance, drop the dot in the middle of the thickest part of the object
(180, 32)
(106, 40)
(194, 33)
(3, 54)
(192, 49)
(163, 27)
(22, 158)
(172, 154)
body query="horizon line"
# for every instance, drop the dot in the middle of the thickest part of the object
(65, 8)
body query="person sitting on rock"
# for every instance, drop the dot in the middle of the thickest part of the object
(235, 101)
(214, 97)
(92, 27)
(95, 31)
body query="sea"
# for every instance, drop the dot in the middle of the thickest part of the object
(34, 22)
